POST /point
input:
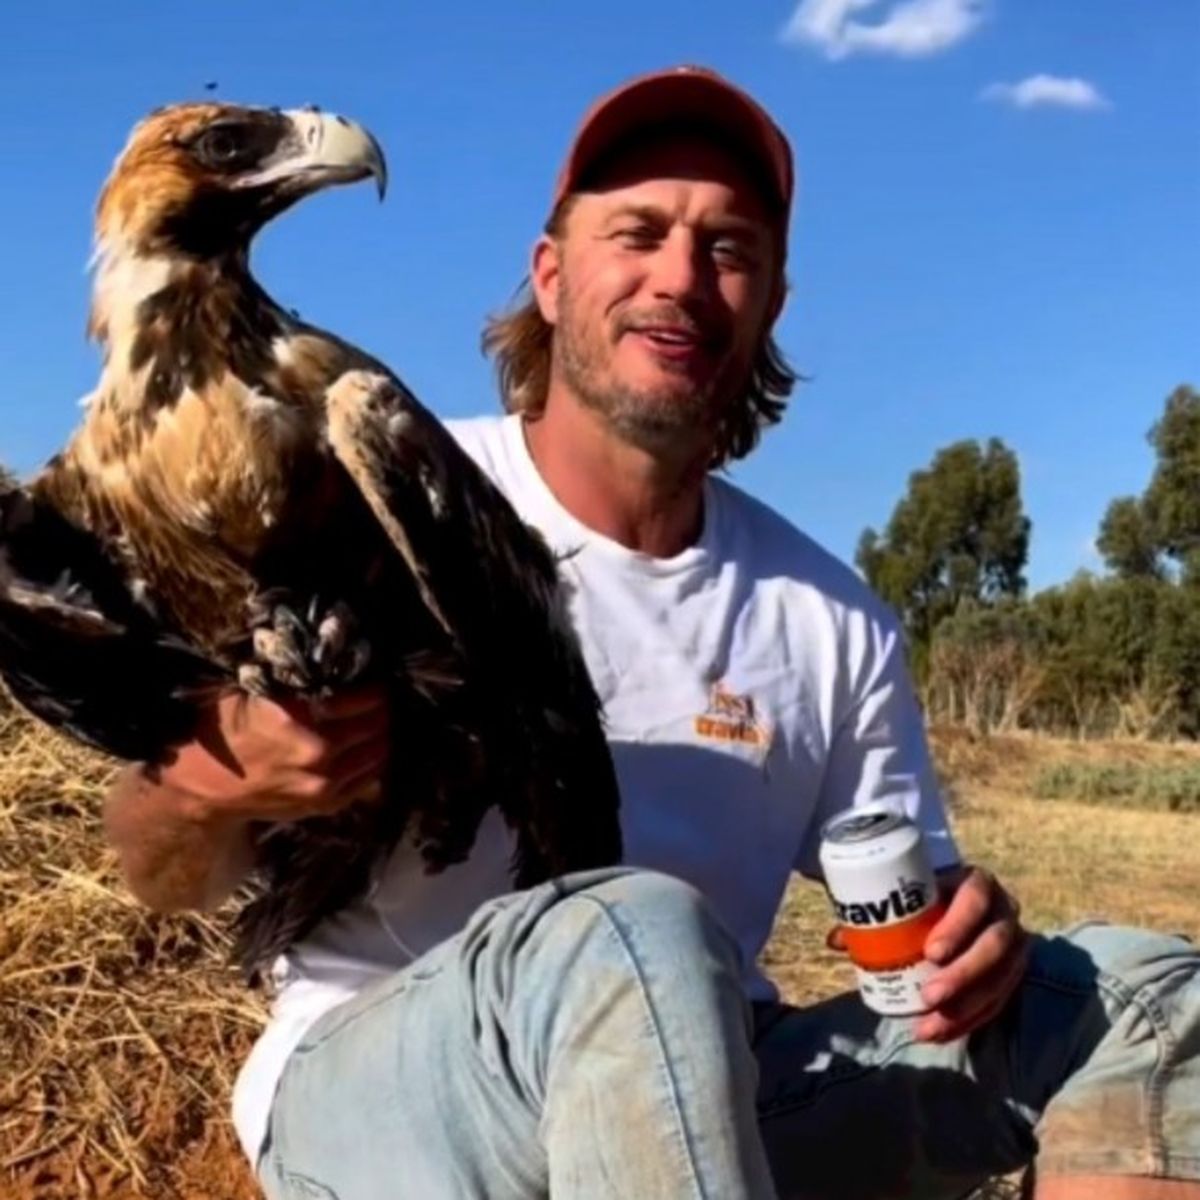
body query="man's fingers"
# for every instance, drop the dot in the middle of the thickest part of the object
(975, 1007)
(356, 772)
(358, 738)
(321, 745)
(941, 1027)
(967, 911)
(997, 983)
(313, 796)
(979, 962)
(365, 788)
(360, 776)
(366, 749)
(979, 999)
(351, 704)
(982, 948)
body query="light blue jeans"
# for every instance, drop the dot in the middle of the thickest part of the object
(589, 1039)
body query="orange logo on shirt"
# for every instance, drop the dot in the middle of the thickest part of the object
(731, 717)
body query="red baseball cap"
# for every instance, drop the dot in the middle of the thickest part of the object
(683, 94)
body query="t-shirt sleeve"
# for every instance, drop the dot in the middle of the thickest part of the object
(879, 751)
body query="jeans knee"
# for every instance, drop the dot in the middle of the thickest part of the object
(660, 917)
(600, 980)
(1127, 960)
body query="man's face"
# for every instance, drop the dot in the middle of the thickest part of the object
(661, 288)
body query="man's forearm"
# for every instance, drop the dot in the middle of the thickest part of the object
(172, 855)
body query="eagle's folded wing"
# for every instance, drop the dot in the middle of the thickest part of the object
(77, 649)
(493, 586)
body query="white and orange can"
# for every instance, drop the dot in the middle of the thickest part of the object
(885, 899)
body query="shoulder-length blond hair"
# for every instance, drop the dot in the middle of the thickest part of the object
(520, 341)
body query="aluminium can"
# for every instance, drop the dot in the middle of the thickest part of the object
(885, 899)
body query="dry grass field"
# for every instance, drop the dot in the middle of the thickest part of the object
(121, 1032)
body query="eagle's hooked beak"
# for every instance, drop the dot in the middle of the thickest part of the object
(321, 149)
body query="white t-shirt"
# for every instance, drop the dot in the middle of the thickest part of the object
(752, 686)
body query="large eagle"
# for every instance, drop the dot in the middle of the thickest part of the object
(251, 502)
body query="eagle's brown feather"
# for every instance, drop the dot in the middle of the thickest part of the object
(153, 176)
(251, 499)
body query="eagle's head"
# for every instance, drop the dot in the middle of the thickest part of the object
(200, 179)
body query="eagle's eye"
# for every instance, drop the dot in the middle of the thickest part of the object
(227, 147)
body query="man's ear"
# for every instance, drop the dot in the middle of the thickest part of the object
(544, 271)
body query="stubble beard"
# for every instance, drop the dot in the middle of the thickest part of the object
(673, 420)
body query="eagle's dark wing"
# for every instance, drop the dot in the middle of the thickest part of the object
(494, 587)
(77, 649)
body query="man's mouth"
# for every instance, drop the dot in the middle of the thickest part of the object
(674, 342)
(672, 335)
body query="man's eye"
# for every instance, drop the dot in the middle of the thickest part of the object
(732, 252)
(637, 237)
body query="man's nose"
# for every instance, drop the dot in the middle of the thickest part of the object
(681, 271)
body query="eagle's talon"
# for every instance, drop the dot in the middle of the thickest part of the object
(276, 650)
(253, 679)
(310, 653)
(338, 655)
(332, 632)
(291, 628)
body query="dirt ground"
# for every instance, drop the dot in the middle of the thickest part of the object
(120, 1033)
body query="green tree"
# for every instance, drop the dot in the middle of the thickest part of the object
(1133, 643)
(1099, 636)
(1172, 500)
(1174, 661)
(958, 535)
(1189, 576)
(987, 666)
(1127, 540)
(1138, 534)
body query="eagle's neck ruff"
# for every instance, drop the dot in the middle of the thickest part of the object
(123, 279)
(127, 278)
(126, 275)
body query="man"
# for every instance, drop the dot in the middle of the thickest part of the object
(592, 1037)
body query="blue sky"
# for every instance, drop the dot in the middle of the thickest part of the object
(976, 250)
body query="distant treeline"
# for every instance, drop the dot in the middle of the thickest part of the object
(1100, 655)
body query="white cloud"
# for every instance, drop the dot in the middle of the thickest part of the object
(1047, 91)
(911, 29)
